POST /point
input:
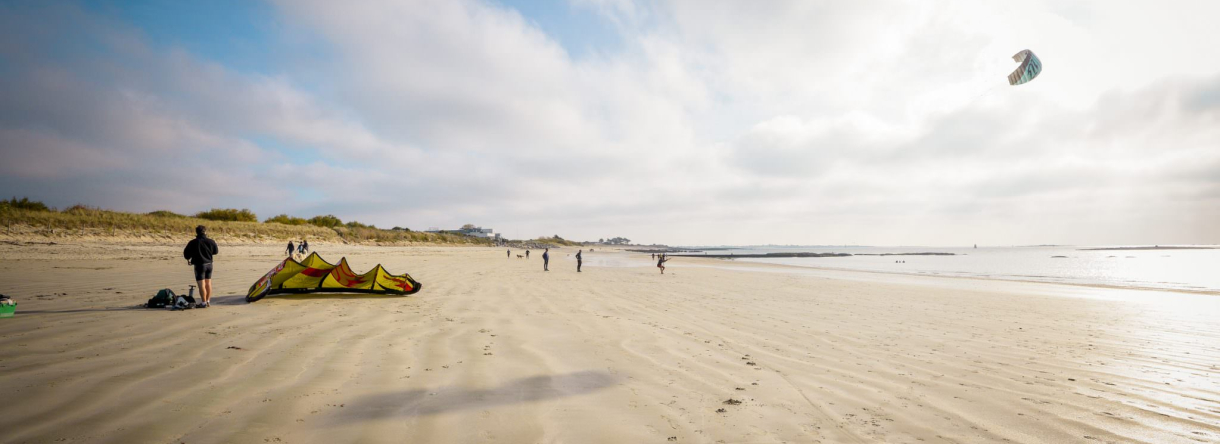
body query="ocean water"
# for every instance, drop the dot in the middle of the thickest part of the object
(1192, 270)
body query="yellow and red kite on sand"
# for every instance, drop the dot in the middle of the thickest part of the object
(316, 275)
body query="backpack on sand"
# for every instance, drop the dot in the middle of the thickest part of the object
(184, 302)
(164, 298)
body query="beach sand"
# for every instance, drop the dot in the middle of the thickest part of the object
(496, 350)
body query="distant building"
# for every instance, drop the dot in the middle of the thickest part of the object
(472, 232)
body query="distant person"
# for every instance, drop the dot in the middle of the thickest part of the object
(199, 252)
(578, 261)
(654, 255)
(527, 254)
(661, 263)
(508, 254)
(291, 249)
(546, 259)
(304, 247)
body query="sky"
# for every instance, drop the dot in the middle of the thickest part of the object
(681, 122)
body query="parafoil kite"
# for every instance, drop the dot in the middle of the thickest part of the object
(316, 275)
(1029, 67)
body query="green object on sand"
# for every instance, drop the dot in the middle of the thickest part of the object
(7, 311)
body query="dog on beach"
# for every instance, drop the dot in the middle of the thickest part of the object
(520, 256)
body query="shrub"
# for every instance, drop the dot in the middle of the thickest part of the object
(228, 214)
(287, 220)
(165, 213)
(354, 224)
(24, 204)
(81, 209)
(328, 221)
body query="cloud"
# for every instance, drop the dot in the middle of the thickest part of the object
(785, 122)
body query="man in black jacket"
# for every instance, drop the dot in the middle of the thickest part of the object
(199, 252)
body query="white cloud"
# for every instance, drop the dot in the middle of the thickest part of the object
(716, 122)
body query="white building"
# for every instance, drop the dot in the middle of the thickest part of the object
(472, 232)
(479, 232)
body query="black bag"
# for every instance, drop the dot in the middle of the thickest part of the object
(164, 298)
(184, 302)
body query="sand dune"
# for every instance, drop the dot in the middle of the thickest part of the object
(496, 350)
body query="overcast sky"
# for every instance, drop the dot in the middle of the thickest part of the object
(685, 122)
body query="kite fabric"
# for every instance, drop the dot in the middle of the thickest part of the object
(316, 275)
(1029, 67)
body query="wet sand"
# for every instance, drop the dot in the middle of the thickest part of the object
(496, 350)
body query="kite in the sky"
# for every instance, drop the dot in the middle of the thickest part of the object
(1029, 67)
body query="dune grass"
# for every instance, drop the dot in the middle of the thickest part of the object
(85, 221)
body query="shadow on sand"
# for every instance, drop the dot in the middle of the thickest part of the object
(81, 310)
(305, 297)
(425, 402)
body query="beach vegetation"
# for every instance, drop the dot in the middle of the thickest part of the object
(81, 209)
(228, 214)
(82, 220)
(24, 204)
(165, 213)
(354, 224)
(328, 221)
(617, 241)
(557, 240)
(286, 220)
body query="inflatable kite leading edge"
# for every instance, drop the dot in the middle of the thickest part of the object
(316, 275)
(1029, 67)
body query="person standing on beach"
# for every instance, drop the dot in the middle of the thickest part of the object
(527, 254)
(199, 252)
(508, 254)
(304, 248)
(578, 261)
(661, 263)
(291, 249)
(546, 258)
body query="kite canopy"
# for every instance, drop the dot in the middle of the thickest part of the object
(316, 275)
(1029, 67)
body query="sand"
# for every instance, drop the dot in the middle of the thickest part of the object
(496, 350)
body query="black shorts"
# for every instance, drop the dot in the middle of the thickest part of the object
(203, 271)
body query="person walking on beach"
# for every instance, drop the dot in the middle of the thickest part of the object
(508, 254)
(578, 261)
(303, 248)
(527, 254)
(199, 252)
(291, 249)
(546, 258)
(661, 263)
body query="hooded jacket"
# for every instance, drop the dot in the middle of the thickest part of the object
(200, 250)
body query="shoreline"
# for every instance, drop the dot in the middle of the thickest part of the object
(979, 278)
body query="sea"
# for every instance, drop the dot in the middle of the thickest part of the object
(1196, 270)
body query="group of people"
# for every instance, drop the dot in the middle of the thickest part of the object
(301, 248)
(546, 258)
(199, 251)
